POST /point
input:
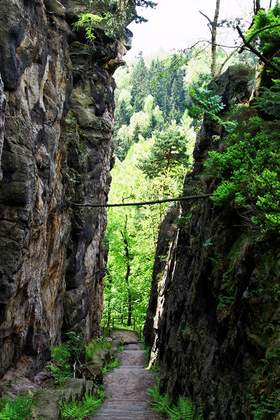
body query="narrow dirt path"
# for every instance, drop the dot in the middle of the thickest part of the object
(126, 387)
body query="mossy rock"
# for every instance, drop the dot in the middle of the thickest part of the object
(46, 402)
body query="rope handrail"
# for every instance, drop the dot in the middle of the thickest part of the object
(143, 203)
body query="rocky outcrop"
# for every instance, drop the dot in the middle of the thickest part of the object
(219, 317)
(57, 121)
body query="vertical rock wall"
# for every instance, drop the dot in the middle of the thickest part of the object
(56, 116)
(215, 327)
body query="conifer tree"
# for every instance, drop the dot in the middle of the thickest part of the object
(139, 84)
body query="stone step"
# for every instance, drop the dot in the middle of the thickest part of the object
(126, 416)
(126, 405)
(133, 346)
(133, 357)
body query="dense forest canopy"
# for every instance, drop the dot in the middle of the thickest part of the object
(160, 104)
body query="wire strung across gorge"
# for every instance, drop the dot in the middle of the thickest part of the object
(145, 203)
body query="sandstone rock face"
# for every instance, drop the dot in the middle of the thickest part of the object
(56, 113)
(211, 336)
(2, 119)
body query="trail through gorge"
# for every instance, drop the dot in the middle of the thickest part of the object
(126, 387)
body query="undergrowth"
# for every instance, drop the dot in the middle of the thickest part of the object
(60, 365)
(79, 410)
(112, 364)
(18, 408)
(74, 352)
(162, 404)
(96, 345)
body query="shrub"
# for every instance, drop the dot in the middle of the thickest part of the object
(248, 172)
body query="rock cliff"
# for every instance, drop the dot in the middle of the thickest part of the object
(216, 318)
(56, 118)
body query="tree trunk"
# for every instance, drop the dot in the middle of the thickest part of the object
(127, 274)
(109, 312)
(257, 6)
(214, 38)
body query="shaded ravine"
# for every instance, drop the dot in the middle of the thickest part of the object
(126, 387)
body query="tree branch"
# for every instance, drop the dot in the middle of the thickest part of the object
(227, 59)
(209, 20)
(255, 51)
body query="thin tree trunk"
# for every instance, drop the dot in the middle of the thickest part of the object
(214, 38)
(109, 313)
(257, 6)
(127, 275)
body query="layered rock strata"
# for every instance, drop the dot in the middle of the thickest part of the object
(56, 118)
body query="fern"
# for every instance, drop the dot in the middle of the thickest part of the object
(78, 410)
(16, 409)
(162, 404)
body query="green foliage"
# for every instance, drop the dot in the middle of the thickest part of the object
(60, 366)
(162, 404)
(139, 225)
(165, 80)
(74, 344)
(248, 172)
(148, 95)
(168, 153)
(18, 408)
(139, 86)
(80, 410)
(96, 345)
(112, 16)
(266, 28)
(89, 22)
(63, 357)
(112, 364)
(269, 100)
(201, 100)
(266, 407)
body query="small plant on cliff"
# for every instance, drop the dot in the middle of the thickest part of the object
(89, 22)
(18, 408)
(112, 17)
